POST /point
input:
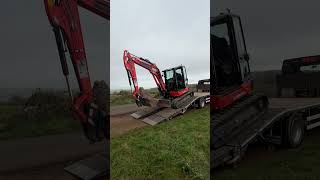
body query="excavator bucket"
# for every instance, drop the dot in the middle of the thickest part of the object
(147, 100)
(154, 105)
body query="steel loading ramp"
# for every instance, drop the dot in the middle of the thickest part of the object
(164, 114)
(156, 115)
(90, 168)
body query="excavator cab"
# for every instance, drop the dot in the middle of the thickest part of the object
(176, 81)
(230, 70)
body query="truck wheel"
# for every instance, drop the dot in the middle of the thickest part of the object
(201, 103)
(295, 131)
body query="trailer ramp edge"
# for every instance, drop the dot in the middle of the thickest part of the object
(156, 115)
(90, 168)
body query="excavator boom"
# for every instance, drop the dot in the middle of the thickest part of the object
(129, 61)
(64, 18)
(90, 106)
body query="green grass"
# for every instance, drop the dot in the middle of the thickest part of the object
(125, 97)
(288, 164)
(15, 124)
(118, 99)
(177, 149)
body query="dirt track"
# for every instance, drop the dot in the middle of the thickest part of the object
(122, 124)
(43, 157)
(35, 155)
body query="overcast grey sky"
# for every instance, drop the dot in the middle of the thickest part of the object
(275, 29)
(168, 33)
(29, 56)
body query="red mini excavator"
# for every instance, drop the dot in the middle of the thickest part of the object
(175, 95)
(172, 89)
(230, 62)
(234, 107)
(88, 107)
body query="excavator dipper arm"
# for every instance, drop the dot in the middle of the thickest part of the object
(64, 18)
(129, 62)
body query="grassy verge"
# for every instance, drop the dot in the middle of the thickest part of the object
(121, 99)
(288, 164)
(125, 97)
(177, 149)
(15, 124)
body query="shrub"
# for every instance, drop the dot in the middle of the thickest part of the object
(47, 105)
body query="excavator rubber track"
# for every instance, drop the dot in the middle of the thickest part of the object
(181, 101)
(233, 127)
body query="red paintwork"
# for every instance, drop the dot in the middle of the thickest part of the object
(179, 93)
(66, 16)
(130, 60)
(219, 102)
(99, 7)
(310, 59)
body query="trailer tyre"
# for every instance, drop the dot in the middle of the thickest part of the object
(201, 103)
(295, 131)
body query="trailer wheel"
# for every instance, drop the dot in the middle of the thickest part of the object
(295, 131)
(201, 103)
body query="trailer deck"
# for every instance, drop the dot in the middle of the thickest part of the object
(279, 108)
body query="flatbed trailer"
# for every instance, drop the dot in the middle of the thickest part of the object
(156, 115)
(271, 126)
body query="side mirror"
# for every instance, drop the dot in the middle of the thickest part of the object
(246, 56)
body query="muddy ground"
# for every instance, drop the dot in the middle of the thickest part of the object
(122, 124)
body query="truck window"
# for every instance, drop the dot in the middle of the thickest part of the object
(241, 48)
(220, 31)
